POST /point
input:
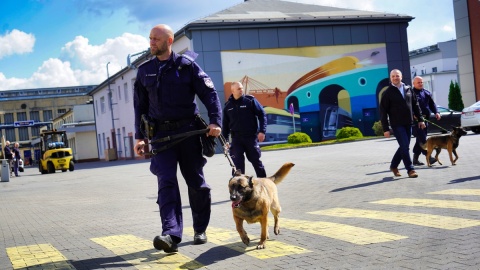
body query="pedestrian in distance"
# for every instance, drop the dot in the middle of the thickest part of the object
(398, 105)
(164, 93)
(246, 121)
(16, 161)
(427, 106)
(8, 156)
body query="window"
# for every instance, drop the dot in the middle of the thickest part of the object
(21, 116)
(96, 107)
(9, 133)
(119, 93)
(23, 134)
(434, 69)
(126, 94)
(35, 116)
(61, 111)
(102, 104)
(47, 116)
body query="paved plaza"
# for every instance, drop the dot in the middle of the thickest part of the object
(342, 209)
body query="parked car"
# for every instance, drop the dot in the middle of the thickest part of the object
(471, 117)
(448, 119)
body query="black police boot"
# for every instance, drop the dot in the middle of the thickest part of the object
(416, 162)
(165, 243)
(199, 238)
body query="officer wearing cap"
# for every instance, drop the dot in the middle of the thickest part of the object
(245, 119)
(164, 91)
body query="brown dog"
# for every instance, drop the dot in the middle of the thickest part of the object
(448, 141)
(252, 199)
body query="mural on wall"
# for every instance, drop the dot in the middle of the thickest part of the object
(326, 88)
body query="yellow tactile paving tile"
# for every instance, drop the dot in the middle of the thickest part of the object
(42, 256)
(463, 205)
(427, 220)
(231, 239)
(141, 254)
(347, 233)
(474, 192)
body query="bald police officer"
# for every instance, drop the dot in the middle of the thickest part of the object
(164, 91)
(245, 119)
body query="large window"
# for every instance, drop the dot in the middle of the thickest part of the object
(35, 116)
(23, 134)
(102, 104)
(9, 133)
(47, 115)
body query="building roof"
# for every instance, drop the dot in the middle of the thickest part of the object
(285, 12)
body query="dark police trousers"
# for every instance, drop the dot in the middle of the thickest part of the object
(188, 155)
(247, 145)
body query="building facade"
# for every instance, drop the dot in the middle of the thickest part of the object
(467, 28)
(330, 64)
(437, 65)
(24, 112)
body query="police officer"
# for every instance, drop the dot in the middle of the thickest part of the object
(427, 105)
(245, 119)
(164, 91)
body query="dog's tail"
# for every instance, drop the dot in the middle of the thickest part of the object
(281, 173)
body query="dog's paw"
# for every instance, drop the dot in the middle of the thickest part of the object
(246, 240)
(276, 230)
(261, 246)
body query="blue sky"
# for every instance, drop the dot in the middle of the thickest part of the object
(53, 43)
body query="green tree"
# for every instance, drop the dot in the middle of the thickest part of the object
(455, 101)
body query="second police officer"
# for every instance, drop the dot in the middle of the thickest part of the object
(245, 119)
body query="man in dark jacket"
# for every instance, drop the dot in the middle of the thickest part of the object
(245, 119)
(164, 93)
(397, 107)
(427, 105)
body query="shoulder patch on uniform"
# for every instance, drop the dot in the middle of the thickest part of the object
(208, 82)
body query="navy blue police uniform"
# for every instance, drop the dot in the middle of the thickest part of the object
(427, 106)
(165, 92)
(244, 118)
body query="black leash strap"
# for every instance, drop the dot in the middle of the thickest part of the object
(179, 138)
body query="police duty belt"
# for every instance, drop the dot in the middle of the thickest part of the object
(177, 137)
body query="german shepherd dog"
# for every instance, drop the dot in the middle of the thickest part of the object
(448, 141)
(252, 199)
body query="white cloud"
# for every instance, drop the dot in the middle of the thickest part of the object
(81, 63)
(16, 42)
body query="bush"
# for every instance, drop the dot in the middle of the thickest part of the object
(347, 132)
(299, 137)
(377, 128)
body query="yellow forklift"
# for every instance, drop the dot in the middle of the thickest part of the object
(54, 152)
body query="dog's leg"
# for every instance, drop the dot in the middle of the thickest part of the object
(438, 153)
(429, 154)
(264, 233)
(276, 209)
(241, 231)
(450, 150)
(456, 156)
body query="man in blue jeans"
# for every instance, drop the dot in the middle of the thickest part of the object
(397, 107)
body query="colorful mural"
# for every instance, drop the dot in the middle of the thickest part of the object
(329, 87)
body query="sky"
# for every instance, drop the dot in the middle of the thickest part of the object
(56, 43)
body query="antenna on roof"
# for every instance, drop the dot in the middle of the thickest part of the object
(129, 64)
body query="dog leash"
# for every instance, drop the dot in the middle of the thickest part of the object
(435, 124)
(223, 141)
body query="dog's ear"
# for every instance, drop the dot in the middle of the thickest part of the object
(238, 172)
(250, 181)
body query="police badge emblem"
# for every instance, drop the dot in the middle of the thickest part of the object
(208, 82)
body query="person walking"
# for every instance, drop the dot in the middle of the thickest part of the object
(164, 93)
(427, 106)
(398, 105)
(16, 161)
(8, 156)
(245, 119)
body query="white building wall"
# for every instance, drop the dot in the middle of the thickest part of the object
(86, 147)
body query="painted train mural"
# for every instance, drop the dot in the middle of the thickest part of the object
(326, 88)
